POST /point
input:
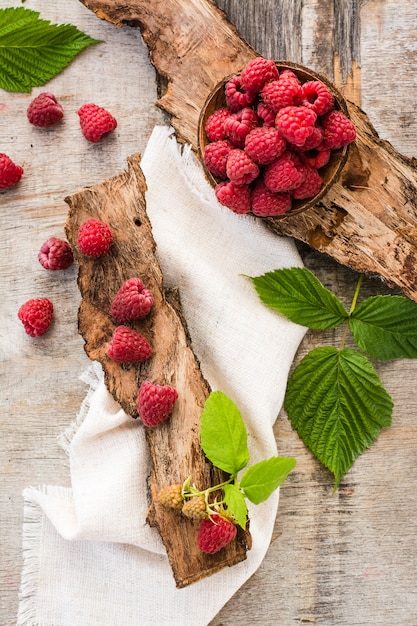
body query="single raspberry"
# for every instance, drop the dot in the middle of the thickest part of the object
(128, 346)
(214, 127)
(296, 124)
(55, 254)
(265, 113)
(285, 174)
(36, 316)
(10, 173)
(236, 97)
(45, 110)
(257, 72)
(317, 96)
(240, 168)
(264, 145)
(239, 124)
(315, 139)
(215, 157)
(195, 508)
(215, 533)
(132, 301)
(280, 93)
(171, 497)
(234, 197)
(266, 203)
(310, 186)
(288, 74)
(155, 402)
(95, 121)
(94, 238)
(317, 158)
(338, 130)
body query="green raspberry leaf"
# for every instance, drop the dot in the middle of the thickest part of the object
(337, 404)
(385, 327)
(32, 50)
(299, 295)
(236, 504)
(263, 478)
(223, 435)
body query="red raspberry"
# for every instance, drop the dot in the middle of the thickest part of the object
(288, 74)
(265, 113)
(240, 168)
(55, 254)
(45, 110)
(296, 124)
(214, 127)
(285, 174)
(155, 402)
(266, 203)
(10, 173)
(258, 72)
(215, 157)
(315, 139)
(36, 316)
(95, 122)
(132, 301)
(280, 93)
(310, 186)
(264, 145)
(171, 497)
(215, 533)
(128, 346)
(317, 158)
(338, 130)
(317, 96)
(236, 97)
(239, 124)
(94, 238)
(234, 197)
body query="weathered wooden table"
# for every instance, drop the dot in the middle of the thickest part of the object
(344, 559)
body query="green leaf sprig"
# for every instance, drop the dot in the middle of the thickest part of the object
(334, 398)
(32, 50)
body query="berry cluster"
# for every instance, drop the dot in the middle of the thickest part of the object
(267, 145)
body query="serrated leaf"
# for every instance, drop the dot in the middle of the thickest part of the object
(299, 295)
(385, 327)
(263, 478)
(236, 504)
(337, 404)
(32, 50)
(223, 435)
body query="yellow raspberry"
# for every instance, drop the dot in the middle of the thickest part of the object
(195, 508)
(171, 497)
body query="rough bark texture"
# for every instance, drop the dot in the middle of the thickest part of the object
(174, 445)
(368, 220)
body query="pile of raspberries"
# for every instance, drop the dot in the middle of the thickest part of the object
(268, 144)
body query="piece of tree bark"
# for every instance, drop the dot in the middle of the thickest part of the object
(174, 445)
(367, 221)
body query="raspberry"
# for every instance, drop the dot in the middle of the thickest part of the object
(155, 402)
(36, 316)
(128, 346)
(285, 174)
(215, 533)
(317, 96)
(296, 124)
(215, 124)
(240, 168)
(195, 508)
(45, 110)
(238, 125)
(266, 203)
(265, 113)
(171, 497)
(338, 130)
(94, 238)
(95, 122)
(55, 254)
(234, 197)
(215, 157)
(258, 72)
(10, 173)
(288, 74)
(132, 301)
(310, 186)
(315, 139)
(236, 97)
(264, 145)
(317, 158)
(280, 93)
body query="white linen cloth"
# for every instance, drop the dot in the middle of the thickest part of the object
(90, 559)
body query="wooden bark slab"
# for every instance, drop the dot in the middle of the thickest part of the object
(174, 445)
(368, 221)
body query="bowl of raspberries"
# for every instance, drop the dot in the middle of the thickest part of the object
(273, 138)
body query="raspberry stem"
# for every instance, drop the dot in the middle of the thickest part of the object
(352, 308)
